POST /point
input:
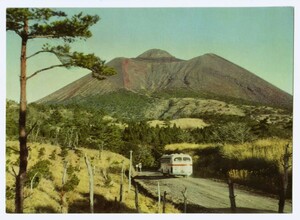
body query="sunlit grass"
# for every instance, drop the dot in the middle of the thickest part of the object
(185, 146)
(46, 197)
(183, 123)
(271, 149)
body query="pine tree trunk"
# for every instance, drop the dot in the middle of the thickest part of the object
(23, 153)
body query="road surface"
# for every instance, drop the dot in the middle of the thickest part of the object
(205, 195)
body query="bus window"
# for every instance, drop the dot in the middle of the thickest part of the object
(186, 159)
(177, 159)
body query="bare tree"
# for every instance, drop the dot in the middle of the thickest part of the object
(91, 183)
(158, 197)
(231, 195)
(284, 179)
(184, 193)
(137, 198)
(130, 171)
(32, 182)
(164, 201)
(121, 182)
(63, 204)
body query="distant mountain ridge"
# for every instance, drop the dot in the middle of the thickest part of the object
(157, 70)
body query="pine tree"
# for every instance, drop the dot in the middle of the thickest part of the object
(41, 23)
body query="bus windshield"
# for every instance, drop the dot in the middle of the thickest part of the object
(186, 159)
(177, 159)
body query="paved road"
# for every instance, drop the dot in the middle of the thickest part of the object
(208, 195)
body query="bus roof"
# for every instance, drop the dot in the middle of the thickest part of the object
(173, 155)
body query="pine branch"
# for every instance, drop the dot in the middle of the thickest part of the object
(48, 68)
(36, 53)
(41, 36)
(16, 31)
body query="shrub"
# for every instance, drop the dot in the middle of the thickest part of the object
(42, 168)
(10, 192)
(70, 170)
(71, 183)
(52, 156)
(41, 152)
(64, 152)
(78, 152)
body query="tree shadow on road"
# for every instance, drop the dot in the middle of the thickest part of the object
(194, 208)
(157, 176)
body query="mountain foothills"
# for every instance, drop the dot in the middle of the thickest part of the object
(230, 121)
(156, 72)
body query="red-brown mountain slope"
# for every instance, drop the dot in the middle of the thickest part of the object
(156, 70)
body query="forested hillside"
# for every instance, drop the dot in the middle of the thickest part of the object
(71, 126)
(249, 149)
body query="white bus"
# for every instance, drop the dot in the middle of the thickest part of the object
(176, 164)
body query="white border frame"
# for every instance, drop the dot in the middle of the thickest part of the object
(151, 3)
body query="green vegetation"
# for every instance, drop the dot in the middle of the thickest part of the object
(184, 93)
(41, 170)
(130, 106)
(123, 104)
(71, 126)
(250, 151)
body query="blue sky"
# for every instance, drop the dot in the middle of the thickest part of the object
(258, 39)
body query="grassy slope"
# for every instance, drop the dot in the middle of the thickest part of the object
(271, 149)
(46, 198)
(183, 123)
(260, 153)
(178, 104)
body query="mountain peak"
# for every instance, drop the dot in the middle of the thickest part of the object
(157, 70)
(156, 54)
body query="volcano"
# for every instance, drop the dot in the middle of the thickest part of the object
(156, 70)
